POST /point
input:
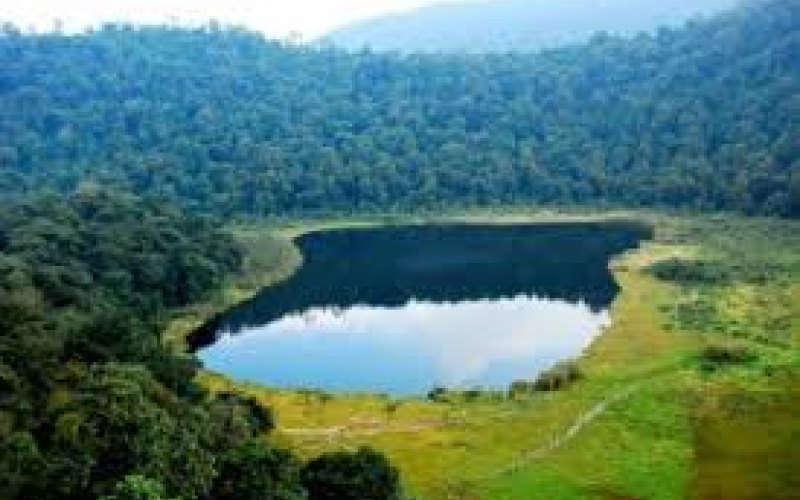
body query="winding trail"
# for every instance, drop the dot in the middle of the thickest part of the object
(362, 429)
(559, 440)
(554, 443)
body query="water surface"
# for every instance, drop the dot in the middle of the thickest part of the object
(404, 309)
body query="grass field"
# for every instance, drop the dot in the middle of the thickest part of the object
(652, 418)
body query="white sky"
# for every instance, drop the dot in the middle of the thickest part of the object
(277, 18)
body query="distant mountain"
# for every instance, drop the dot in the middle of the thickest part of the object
(516, 25)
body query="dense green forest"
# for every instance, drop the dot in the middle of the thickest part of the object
(227, 122)
(93, 404)
(515, 25)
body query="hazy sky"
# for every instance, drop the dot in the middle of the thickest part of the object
(274, 17)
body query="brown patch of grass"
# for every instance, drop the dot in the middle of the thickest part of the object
(747, 442)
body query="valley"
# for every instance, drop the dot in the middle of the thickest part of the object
(560, 264)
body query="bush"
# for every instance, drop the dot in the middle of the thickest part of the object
(136, 487)
(727, 353)
(472, 395)
(690, 272)
(558, 377)
(437, 394)
(258, 471)
(361, 475)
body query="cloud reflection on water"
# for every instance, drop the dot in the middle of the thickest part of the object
(407, 349)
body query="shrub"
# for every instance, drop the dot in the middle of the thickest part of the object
(135, 487)
(727, 353)
(558, 377)
(258, 471)
(690, 272)
(361, 475)
(471, 395)
(437, 394)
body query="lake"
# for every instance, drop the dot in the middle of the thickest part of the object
(403, 309)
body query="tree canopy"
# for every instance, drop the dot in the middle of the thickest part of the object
(92, 403)
(227, 122)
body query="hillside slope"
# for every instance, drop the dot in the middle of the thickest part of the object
(520, 25)
(227, 122)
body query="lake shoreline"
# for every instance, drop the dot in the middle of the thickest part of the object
(423, 300)
(280, 237)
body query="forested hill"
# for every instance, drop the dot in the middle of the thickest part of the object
(94, 405)
(705, 116)
(515, 25)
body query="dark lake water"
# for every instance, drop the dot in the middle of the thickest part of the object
(404, 309)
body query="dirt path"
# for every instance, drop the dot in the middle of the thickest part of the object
(349, 431)
(337, 432)
(559, 440)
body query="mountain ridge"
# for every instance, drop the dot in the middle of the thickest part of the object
(514, 25)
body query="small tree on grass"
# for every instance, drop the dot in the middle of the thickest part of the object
(437, 394)
(558, 377)
(727, 353)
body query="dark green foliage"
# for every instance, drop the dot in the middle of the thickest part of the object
(714, 272)
(360, 475)
(118, 421)
(237, 417)
(742, 289)
(559, 377)
(92, 395)
(87, 278)
(257, 471)
(437, 394)
(137, 488)
(470, 395)
(691, 272)
(19, 461)
(727, 353)
(224, 121)
(94, 253)
(92, 404)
